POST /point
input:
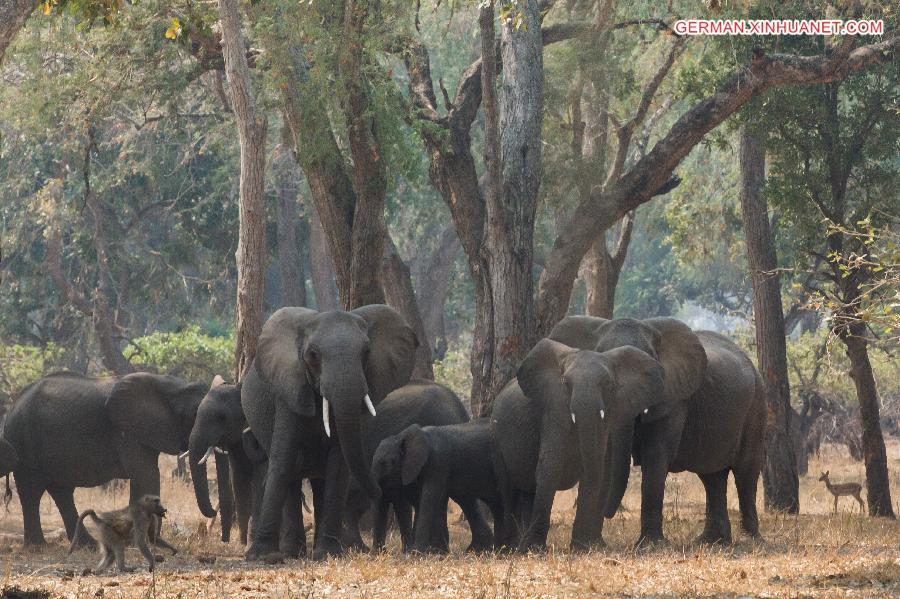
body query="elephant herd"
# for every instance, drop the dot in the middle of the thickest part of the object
(328, 399)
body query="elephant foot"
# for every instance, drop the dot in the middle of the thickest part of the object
(327, 547)
(532, 547)
(258, 550)
(579, 546)
(713, 537)
(480, 547)
(648, 541)
(85, 541)
(292, 550)
(35, 545)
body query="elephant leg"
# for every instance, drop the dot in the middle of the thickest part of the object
(379, 524)
(226, 496)
(283, 453)
(535, 537)
(432, 508)
(241, 481)
(654, 469)
(403, 515)
(142, 465)
(337, 485)
(717, 528)
(30, 497)
(318, 493)
(747, 480)
(482, 538)
(497, 512)
(292, 536)
(357, 505)
(64, 498)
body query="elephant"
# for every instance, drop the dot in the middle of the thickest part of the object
(218, 430)
(552, 426)
(450, 461)
(714, 423)
(420, 402)
(74, 431)
(311, 370)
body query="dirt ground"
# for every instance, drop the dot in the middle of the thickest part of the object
(816, 554)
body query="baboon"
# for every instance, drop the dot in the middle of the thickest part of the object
(138, 523)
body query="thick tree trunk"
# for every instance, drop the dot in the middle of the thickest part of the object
(400, 295)
(290, 259)
(878, 488)
(13, 14)
(432, 287)
(780, 481)
(321, 271)
(251, 252)
(601, 271)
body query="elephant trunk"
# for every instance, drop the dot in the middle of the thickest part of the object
(226, 495)
(347, 400)
(198, 447)
(593, 437)
(620, 444)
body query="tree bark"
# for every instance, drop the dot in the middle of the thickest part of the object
(13, 14)
(601, 270)
(399, 292)
(251, 251)
(781, 485)
(290, 261)
(321, 271)
(432, 286)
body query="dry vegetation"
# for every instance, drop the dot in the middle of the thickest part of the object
(815, 554)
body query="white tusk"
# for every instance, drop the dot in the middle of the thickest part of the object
(206, 455)
(245, 431)
(602, 415)
(220, 450)
(181, 456)
(369, 405)
(646, 410)
(573, 417)
(325, 416)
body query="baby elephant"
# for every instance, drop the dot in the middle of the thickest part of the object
(442, 462)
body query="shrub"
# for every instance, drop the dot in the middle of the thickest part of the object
(190, 353)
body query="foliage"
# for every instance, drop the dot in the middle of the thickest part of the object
(453, 371)
(190, 354)
(23, 364)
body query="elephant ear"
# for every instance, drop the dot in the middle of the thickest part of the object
(639, 386)
(279, 362)
(540, 373)
(580, 332)
(682, 357)
(156, 410)
(415, 454)
(392, 348)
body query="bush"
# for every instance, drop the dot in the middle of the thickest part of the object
(453, 371)
(23, 364)
(190, 354)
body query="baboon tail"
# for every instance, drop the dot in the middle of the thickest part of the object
(80, 526)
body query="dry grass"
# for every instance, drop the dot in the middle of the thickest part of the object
(815, 554)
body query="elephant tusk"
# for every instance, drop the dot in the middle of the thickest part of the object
(325, 416)
(205, 457)
(646, 410)
(602, 415)
(221, 451)
(181, 456)
(573, 417)
(369, 405)
(245, 431)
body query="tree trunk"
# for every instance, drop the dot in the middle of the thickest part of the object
(290, 260)
(399, 292)
(601, 271)
(781, 485)
(511, 204)
(321, 272)
(432, 286)
(13, 14)
(878, 488)
(251, 251)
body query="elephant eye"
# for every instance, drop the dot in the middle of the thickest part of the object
(312, 356)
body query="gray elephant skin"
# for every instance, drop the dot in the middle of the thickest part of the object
(441, 462)
(308, 364)
(423, 403)
(73, 431)
(219, 425)
(706, 415)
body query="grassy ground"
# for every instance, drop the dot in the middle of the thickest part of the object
(815, 554)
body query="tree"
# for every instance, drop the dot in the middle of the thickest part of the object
(780, 482)
(251, 252)
(13, 14)
(289, 228)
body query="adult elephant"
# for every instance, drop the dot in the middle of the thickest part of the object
(313, 369)
(73, 431)
(552, 427)
(218, 430)
(713, 421)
